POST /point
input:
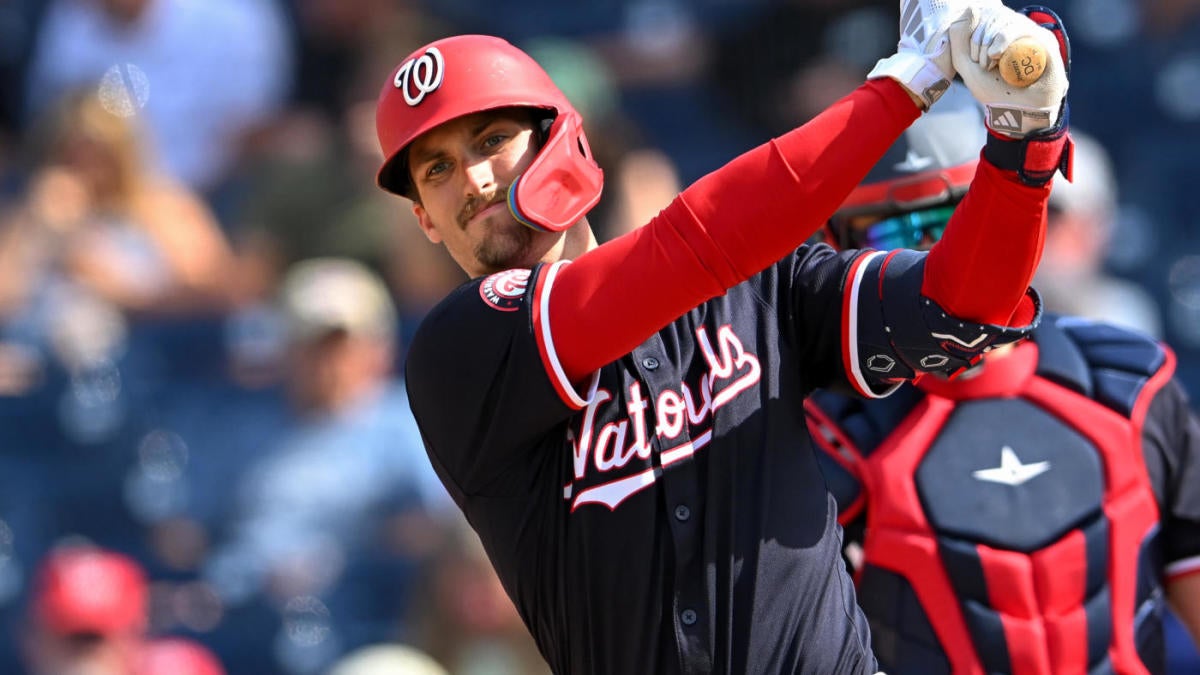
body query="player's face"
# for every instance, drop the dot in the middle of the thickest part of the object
(462, 171)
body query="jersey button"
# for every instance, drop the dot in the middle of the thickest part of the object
(650, 363)
(682, 513)
(688, 617)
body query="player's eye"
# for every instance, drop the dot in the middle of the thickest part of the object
(493, 141)
(436, 168)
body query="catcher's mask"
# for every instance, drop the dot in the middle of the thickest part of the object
(466, 74)
(908, 195)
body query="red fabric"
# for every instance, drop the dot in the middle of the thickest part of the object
(980, 270)
(1129, 504)
(902, 539)
(1060, 576)
(1010, 583)
(725, 228)
(910, 554)
(1011, 593)
(1131, 518)
(1066, 638)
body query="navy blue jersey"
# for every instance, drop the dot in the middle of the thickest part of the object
(640, 525)
(670, 516)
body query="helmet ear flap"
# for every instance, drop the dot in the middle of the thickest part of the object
(562, 184)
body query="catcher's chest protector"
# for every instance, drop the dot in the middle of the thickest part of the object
(1011, 521)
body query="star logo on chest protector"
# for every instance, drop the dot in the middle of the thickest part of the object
(1011, 471)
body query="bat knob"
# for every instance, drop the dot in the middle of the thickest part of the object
(1023, 62)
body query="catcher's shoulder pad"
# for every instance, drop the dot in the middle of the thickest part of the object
(1107, 363)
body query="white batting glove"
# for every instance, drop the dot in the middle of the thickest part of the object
(922, 63)
(976, 44)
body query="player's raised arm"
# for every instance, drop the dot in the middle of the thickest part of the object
(985, 261)
(739, 219)
(909, 313)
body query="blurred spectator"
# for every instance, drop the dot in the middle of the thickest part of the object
(177, 656)
(87, 615)
(797, 57)
(391, 659)
(464, 618)
(309, 195)
(96, 221)
(343, 44)
(1071, 276)
(648, 42)
(15, 16)
(1134, 87)
(306, 200)
(645, 181)
(305, 193)
(656, 51)
(340, 503)
(203, 73)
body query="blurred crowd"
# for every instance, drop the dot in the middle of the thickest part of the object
(207, 463)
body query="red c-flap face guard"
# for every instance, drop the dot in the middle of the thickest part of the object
(562, 184)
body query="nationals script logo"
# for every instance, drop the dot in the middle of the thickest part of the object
(504, 290)
(731, 370)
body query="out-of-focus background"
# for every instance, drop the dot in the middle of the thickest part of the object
(205, 302)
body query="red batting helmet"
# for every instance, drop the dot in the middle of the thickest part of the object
(466, 74)
(930, 165)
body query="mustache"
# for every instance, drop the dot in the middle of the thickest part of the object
(476, 204)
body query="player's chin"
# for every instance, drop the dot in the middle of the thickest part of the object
(508, 248)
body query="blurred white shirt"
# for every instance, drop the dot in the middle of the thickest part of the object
(212, 68)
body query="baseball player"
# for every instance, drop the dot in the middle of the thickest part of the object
(1027, 516)
(619, 423)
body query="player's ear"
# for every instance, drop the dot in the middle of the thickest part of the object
(426, 223)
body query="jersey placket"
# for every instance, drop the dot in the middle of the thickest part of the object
(682, 507)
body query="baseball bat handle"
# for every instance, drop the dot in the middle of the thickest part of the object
(1023, 62)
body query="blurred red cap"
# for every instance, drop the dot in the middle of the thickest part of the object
(178, 656)
(89, 590)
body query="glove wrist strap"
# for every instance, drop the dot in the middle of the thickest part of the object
(915, 73)
(1036, 157)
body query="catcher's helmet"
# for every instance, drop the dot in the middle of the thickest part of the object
(466, 74)
(930, 165)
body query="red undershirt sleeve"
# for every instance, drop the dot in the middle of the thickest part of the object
(725, 228)
(985, 261)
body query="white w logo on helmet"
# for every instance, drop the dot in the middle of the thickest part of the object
(422, 74)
